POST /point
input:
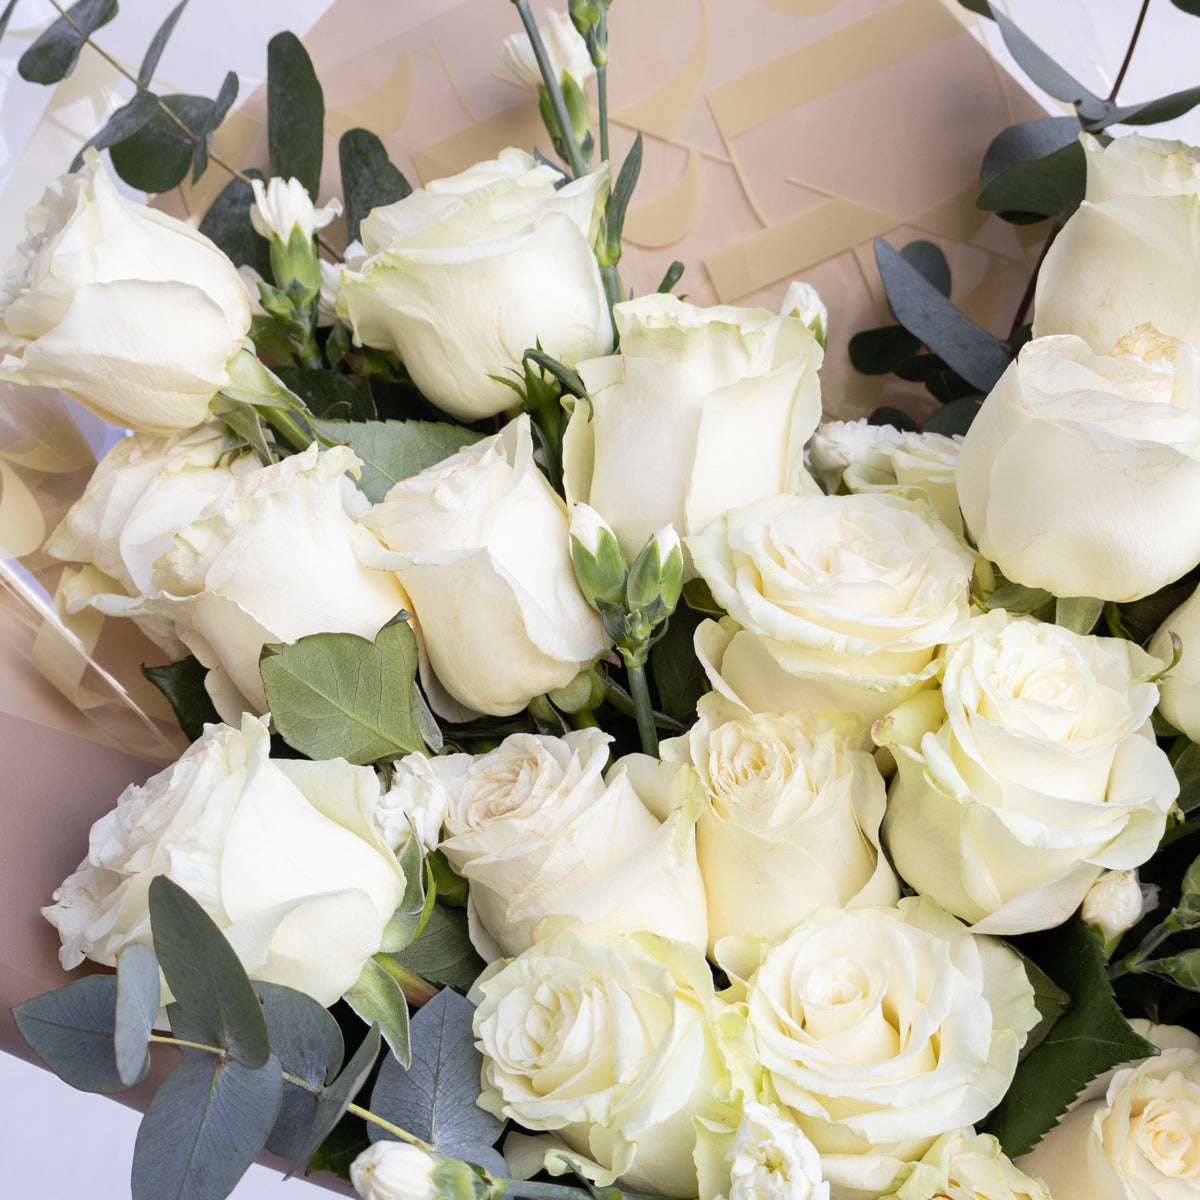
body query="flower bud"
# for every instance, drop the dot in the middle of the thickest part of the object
(600, 567)
(283, 213)
(803, 301)
(1116, 902)
(398, 1171)
(656, 577)
(565, 48)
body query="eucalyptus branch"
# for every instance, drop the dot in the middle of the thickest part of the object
(1137, 29)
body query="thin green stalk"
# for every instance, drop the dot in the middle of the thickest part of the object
(639, 688)
(614, 293)
(557, 1191)
(602, 87)
(283, 422)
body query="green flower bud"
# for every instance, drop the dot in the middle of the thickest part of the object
(600, 567)
(656, 577)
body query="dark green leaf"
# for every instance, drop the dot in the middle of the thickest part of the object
(336, 695)
(1089, 1039)
(328, 394)
(205, 976)
(295, 113)
(6, 16)
(210, 122)
(203, 1129)
(54, 54)
(378, 1000)
(671, 276)
(1051, 1003)
(978, 356)
(895, 417)
(1187, 771)
(443, 954)
(878, 351)
(1181, 969)
(1188, 6)
(341, 1147)
(978, 6)
(183, 685)
(227, 222)
(138, 996)
(1050, 187)
(158, 44)
(72, 1031)
(568, 378)
(678, 676)
(435, 1098)
(156, 158)
(395, 450)
(369, 177)
(955, 417)
(1027, 141)
(931, 262)
(1039, 66)
(627, 179)
(1165, 108)
(127, 120)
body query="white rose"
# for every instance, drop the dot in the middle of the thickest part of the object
(131, 312)
(283, 205)
(285, 855)
(1128, 255)
(792, 822)
(1134, 1134)
(564, 45)
(1045, 771)
(1081, 471)
(480, 544)
(838, 603)
(773, 1160)
(703, 410)
(545, 840)
(394, 1171)
(270, 560)
(882, 1028)
(613, 1045)
(1179, 689)
(467, 273)
(966, 1166)
(1117, 901)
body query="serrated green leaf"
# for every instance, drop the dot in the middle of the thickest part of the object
(1016, 597)
(878, 351)
(156, 158)
(336, 695)
(125, 122)
(295, 113)
(378, 1000)
(53, 56)
(978, 356)
(1090, 1038)
(1051, 1003)
(678, 676)
(1039, 66)
(443, 953)
(205, 976)
(1026, 141)
(435, 1098)
(1052, 186)
(203, 1129)
(928, 258)
(395, 450)
(183, 685)
(327, 394)
(138, 996)
(227, 222)
(71, 1030)
(953, 417)
(158, 44)
(210, 122)
(369, 177)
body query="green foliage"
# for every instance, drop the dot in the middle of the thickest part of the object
(1077, 613)
(138, 993)
(53, 56)
(125, 122)
(227, 222)
(209, 122)
(614, 219)
(1150, 112)
(569, 379)
(156, 158)
(955, 416)
(671, 276)
(158, 44)
(928, 259)
(183, 685)
(415, 905)
(1051, 1003)
(295, 113)
(1027, 141)
(1017, 598)
(1185, 758)
(328, 394)
(369, 177)
(443, 953)
(379, 1000)
(1043, 70)
(1188, 6)
(337, 695)
(880, 351)
(678, 676)
(1051, 186)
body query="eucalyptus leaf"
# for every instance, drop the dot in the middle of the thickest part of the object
(227, 222)
(329, 395)
(209, 123)
(157, 156)
(878, 351)
(369, 177)
(53, 56)
(71, 1030)
(1027, 141)
(205, 976)
(978, 6)
(1150, 112)
(379, 1000)
(1039, 66)
(158, 44)
(1052, 186)
(954, 417)
(978, 356)
(897, 418)
(443, 953)
(138, 995)
(126, 121)
(394, 450)
(183, 685)
(1188, 6)
(336, 695)
(930, 261)
(435, 1098)
(295, 113)
(1089, 1039)
(203, 1128)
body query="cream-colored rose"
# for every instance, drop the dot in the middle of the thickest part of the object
(966, 1166)
(838, 603)
(1081, 471)
(1117, 901)
(269, 560)
(564, 45)
(792, 821)
(143, 492)
(1134, 1134)
(615, 1045)
(882, 1028)
(546, 841)
(1128, 255)
(480, 544)
(772, 1159)
(703, 410)
(1179, 688)
(1045, 771)
(285, 855)
(128, 310)
(467, 273)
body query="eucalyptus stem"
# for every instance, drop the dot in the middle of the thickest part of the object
(639, 688)
(173, 1041)
(367, 1115)
(1137, 29)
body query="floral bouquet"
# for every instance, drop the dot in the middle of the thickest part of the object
(600, 768)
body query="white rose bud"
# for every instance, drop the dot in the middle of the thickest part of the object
(1117, 901)
(566, 48)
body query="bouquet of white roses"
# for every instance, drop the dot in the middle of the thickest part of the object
(599, 766)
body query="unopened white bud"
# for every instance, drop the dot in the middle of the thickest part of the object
(1116, 902)
(565, 47)
(393, 1171)
(803, 301)
(283, 205)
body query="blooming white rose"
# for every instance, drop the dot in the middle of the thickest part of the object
(1179, 688)
(1081, 471)
(882, 1028)
(792, 821)
(703, 409)
(131, 312)
(773, 1160)
(283, 205)
(1128, 254)
(545, 840)
(269, 560)
(966, 1166)
(838, 603)
(1134, 1134)
(564, 45)
(1045, 771)
(480, 543)
(467, 273)
(615, 1046)
(285, 855)
(389, 1170)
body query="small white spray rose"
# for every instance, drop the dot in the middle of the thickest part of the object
(772, 1159)
(565, 47)
(1117, 901)
(283, 205)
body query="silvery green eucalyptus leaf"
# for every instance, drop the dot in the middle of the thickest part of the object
(369, 178)
(158, 44)
(379, 1000)
(71, 1030)
(138, 994)
(295, 113)
(53, 56)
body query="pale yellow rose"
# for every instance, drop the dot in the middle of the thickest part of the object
(966, 1166)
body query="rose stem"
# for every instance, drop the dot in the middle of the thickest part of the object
(643, 710)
